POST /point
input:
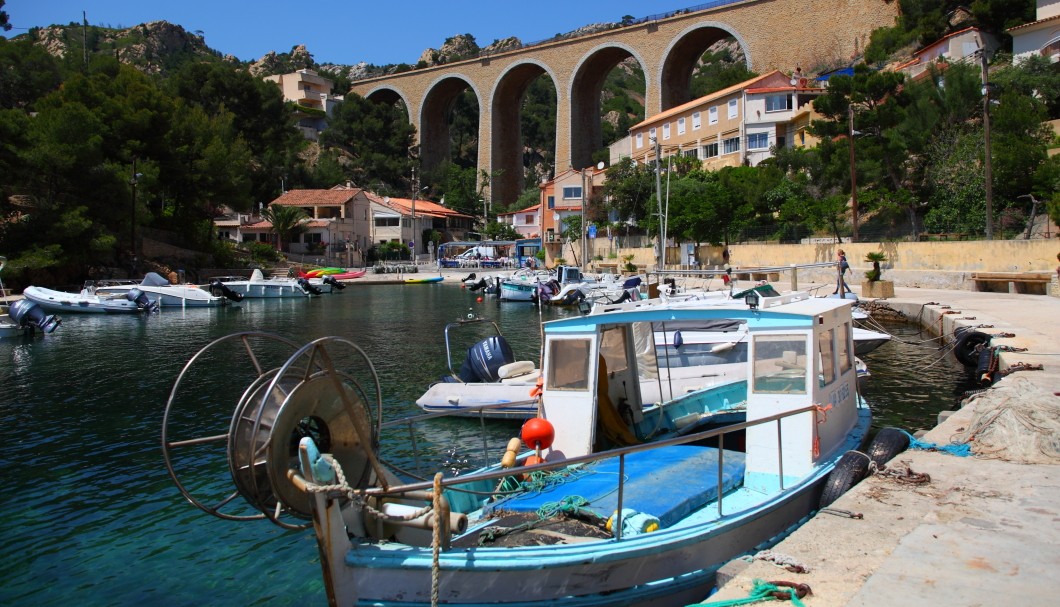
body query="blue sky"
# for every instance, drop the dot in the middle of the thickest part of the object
(379, 32)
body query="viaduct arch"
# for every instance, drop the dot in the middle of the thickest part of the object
(774, 34)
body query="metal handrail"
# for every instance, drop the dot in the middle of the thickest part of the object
(583, 459)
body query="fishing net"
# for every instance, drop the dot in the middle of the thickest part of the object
(1015, 421)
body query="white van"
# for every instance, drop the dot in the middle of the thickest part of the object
(482, 252)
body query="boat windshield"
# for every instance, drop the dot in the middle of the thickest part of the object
(568, 364)
(780, 364)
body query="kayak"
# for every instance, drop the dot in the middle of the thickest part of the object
(348, 275)
(425, 279)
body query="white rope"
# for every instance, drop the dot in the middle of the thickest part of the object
(341, 486)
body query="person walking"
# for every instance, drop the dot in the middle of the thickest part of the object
(841, 287)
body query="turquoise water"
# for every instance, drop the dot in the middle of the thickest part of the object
(90, 514)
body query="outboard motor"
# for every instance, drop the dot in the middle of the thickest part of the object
(481, 284)
(573, 297)
(218, 289)
(143, 302)
(308, 287)
(330, 280)
(28, 314)
(485, 359)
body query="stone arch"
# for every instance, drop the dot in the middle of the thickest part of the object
(435, 107)
(584, 96)
(505, 128)
(681, 56)
(387, 94)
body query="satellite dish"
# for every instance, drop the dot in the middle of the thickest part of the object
(600, 165)
(794, 81)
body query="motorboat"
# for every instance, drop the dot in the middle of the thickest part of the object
(160, 290)
(88, 301)
(259, 287)
(605, 498)
(522, 284)
(610, 288)
(24, 317)
(489, 383)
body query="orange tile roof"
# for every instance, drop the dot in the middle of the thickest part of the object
(1040, 21)
(423, 207)
(771, 76)
(318, 198)
(536, 207)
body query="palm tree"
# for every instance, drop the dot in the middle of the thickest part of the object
(286, 222)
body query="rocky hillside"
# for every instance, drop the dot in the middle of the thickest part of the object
(156, 48)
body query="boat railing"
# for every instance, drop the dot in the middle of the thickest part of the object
(621, 452)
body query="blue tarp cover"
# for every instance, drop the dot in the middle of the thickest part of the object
(668, 483)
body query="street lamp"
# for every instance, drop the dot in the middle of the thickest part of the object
(989, 176)
(853, 176)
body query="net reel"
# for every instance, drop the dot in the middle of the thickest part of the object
(292, 392)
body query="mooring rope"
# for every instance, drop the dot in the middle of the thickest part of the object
(436, 539)
(767, 591)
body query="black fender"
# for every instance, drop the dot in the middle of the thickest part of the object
(966, 347)
(887, 443)
(848, 471)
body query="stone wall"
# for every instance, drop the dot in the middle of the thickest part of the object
(930, 265)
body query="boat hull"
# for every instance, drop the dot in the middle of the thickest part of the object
(177, 296)
(505, 401)
(61, 301)
(517, 291)
(670, 567)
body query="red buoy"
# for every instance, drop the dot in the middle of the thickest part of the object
(479, 300)
(537, 433)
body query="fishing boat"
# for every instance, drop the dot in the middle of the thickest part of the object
(23, 317)
(259, 287)
(88, 301)
(165, 294)
(604, 499)
(490, 382)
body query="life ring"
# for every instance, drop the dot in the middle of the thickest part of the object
(965, 349)
(888, 443)
(848, 471)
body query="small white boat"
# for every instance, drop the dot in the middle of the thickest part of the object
(522, 285)
(607, 499)
(23, 317)
(259, 287)
(490, 383)
(129, 301)
(609, 288)
(159, 290)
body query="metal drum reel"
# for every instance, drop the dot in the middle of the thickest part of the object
(304, 396)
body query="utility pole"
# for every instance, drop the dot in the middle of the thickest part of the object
(853, 176)
(986, 149)
(661, 253)
(585, 196)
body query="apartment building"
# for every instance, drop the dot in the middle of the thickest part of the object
(527, 222)
(311, 92)
(738, 125)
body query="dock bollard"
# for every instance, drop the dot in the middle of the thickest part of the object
(794, 277)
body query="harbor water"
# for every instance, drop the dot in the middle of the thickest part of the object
(90, 514)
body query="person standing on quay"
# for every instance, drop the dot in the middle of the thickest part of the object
(841, 287)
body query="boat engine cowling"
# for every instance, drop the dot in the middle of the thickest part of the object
(141, 299)
(219, 289)
(330, 280)
(28, 314)
(485, 358)
(308, 287)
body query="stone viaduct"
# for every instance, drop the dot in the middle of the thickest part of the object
(774, 34)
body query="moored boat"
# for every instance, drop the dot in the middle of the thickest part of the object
(609, 499)
(490, 382)
(259, 287)
(160, 290)
(88, 301)
(24, 317)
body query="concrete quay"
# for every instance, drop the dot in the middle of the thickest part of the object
(983, 530)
